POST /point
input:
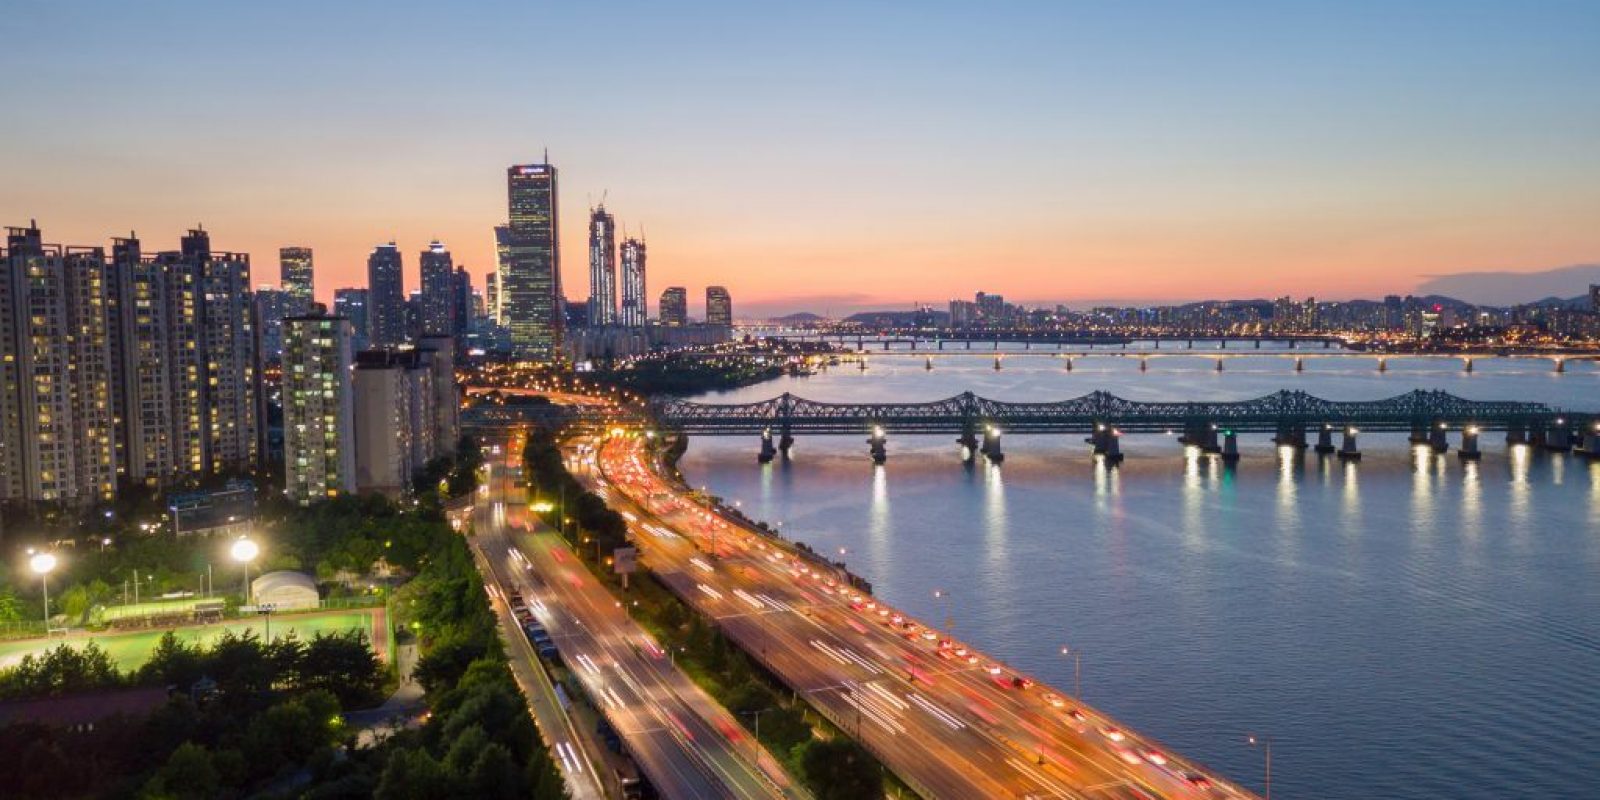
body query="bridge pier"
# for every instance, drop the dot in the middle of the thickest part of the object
(1438, 438)
(1466, 364)
(1383, 365)
(1469, 444)
(1325, 440)
(1299, 364)
(1099, 437)
(1419, 434)
(1069, 363)
(1113, 451)
(878, 445)
(1143, 365)
(928, 365)
(1516, 434)
(996, 363)
(969, 443)
(785, 443)
(1294, 344)
(1258, 344)
(1591, 442)
(1558, 437)
(1230, 447)
(1348, 451)
(1201, 435)
(1561, 365)
(1290, 436)
(991, 444)
(768, 452)
(1222, 344)
(941, 344)
(1219, 365)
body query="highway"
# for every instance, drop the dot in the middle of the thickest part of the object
(950, 721)
(682, 739)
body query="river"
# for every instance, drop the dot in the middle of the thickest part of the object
(1409, 626)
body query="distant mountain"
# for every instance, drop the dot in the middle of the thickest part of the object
(898, 318)
(1511, 288)
(798, 318)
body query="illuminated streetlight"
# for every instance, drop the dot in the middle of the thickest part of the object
(42, 564)
(245, 551)
(1077, 670)
(1266, 746)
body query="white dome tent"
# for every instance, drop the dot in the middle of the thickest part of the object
(284, 589)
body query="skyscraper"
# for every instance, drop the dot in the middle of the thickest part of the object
(719, 306)
(530, 286)
(491, 296)
(272, 306)
(634, 307)
(386, 297)
(462, 315)
(318, 409)
(438, 290)
(352, 305)
(1594, 297)
(675, 306)
(296, 280)
(56, 425)
(602, 268)
(231, 397)
(497, 278)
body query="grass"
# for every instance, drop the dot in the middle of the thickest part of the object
(131, 650)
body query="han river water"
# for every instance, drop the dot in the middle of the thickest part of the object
(1409, 626)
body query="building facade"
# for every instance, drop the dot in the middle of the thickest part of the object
(438, 290)
(719, 306)
(318, 409)
(635, 310)
(386, 297)
(352, 305)
(674, 306)
(602, 268)
(56, 419)
(296, 279)
(530, 284)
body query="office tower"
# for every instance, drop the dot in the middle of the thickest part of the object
(530, 286)
(602, 268)
(352, 305)
(634, 308)
(502, 265)
(438, 354)
(719, 306)
(674, 306)
(272, 306)
(386, 297)
(1594, 297)
(393, 419)
(295, 278)
(56, 423)
(318, 409)
(438, 290)
(491, 296)
(462, 311)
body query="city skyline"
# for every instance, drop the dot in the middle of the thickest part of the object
(1152, 154)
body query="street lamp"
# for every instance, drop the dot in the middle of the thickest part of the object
(245, 551)
(949, 620)
(1266, 747)
(43, 563)
(1077, 670)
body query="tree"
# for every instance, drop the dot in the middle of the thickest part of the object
(10, 606)
(412, 775)
(344, 664)
(187, 774)
(839, 769)
(173, 663)
(495, 775)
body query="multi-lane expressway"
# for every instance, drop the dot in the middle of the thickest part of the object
(684, 742)
(950, 721)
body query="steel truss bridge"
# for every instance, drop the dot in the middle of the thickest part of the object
(966, 413)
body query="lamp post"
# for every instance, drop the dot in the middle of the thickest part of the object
(1077, 670)
(1266, 747)
(245, 551)
(949, 619)
(43, 563)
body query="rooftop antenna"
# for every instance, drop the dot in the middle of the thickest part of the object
(547, 156)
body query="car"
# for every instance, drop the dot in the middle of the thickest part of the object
(1125, 754)
(930, 634)
(994, 669)
(1155, 757)
(1019, 682)
(1054, 699)
(1197, 780)
(1077, 715)
(1113, 733)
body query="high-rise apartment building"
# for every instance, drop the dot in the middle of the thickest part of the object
(295, 278)
(232, 403)
(1594, 298)
(386, 297)
(393, 419)
(634, 307)
(352, 305)
(530, 285)
(675, 306)
(56, 418)
(602, 268)
(438, 290)
(272, 306)
(719, 306)
(462, 312)
(438, 354)
(318, 409)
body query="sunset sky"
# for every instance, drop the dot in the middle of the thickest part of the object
(832, 157)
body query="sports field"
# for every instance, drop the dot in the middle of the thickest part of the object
(131, 650)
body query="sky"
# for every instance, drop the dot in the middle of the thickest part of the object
(826, 156)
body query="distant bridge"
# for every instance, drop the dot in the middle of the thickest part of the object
(1213, 426)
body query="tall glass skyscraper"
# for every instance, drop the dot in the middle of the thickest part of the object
(530, 287)
(438, 290)
(295, 277)
(602, 268)
(386, 297)
(719, 306)
(502, 264)
(634, 309)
